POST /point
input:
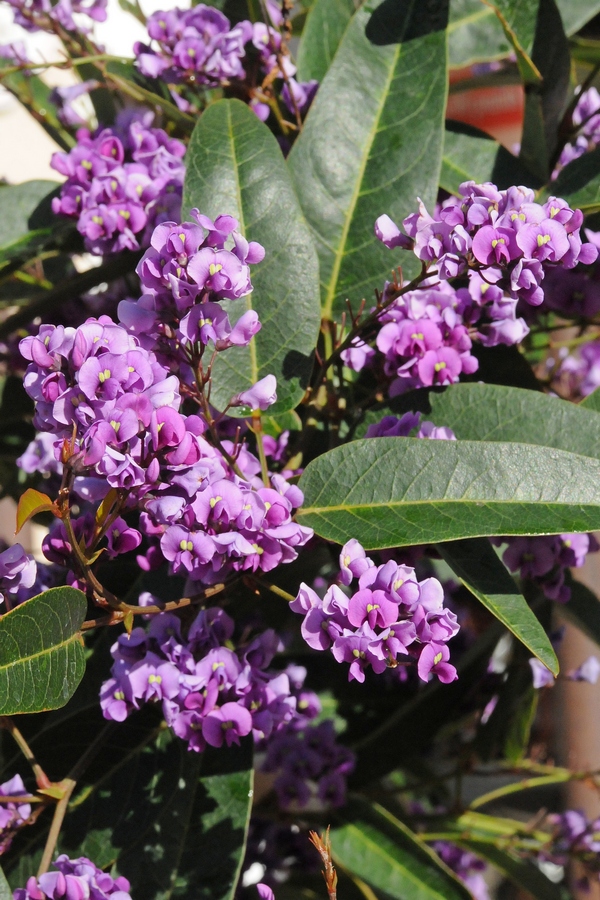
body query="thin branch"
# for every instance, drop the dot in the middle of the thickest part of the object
(41, 778)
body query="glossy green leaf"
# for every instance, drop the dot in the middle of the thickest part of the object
(546, 101)
(583, 609)
(592, 401)
(483, 573)
(396, 23)
(491, 412)
(41, 652)
(476, 34)
(23, 209)
(469, 155)
(325, 25)
(392, 492)
(518, 20)
(371, 144)
(235, 167)
(382, 851)
(579, 183)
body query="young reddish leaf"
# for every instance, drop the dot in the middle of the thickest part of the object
(31, 503)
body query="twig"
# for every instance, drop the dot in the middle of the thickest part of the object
(57, 820)
(41, 778)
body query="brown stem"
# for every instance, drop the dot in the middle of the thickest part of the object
(57, 820)
(41, 778)
(117, 616)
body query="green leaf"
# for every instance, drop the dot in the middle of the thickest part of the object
(579, 183)
(41, 652)
(392, 492)
(468, 155)
(22, 209)
(491, 412)
(174, 822)
(325, 25)
(546, 101)
(583, 609)
(371, 144)
(476, 33)
(5, 891)
(483, 573)
(235, 166)
(592, 401)
(518, 20)
(396, 23)
(381, 850)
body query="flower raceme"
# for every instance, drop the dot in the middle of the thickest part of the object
(391, 619)
(121, 183)
(504, 244)
(504, 236)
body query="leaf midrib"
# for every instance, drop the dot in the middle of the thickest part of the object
(340, 253)
(21, 660)
(238, 188)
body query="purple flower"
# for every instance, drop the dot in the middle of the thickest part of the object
(433, 660)
(542, 676)
(588, 671)
(260, 396)
(227, 723)
(18, 572)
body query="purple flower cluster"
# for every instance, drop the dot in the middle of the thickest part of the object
(581, 369)
(276, 64)
(196, 45)
(42, 15)
(545, 559)
(96, 382)
(423, 340)
(466, 866)
(505, 237)
(75, 879)
(586, 119)
(391, 614)
(121, 183)
(573, 836)
(311, 764)
(185, 274)
(18, 574)
(12, 815)
(210, 694)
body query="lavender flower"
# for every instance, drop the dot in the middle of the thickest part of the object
(209, 693)
(121, 183)
(588, 671)
(75, 879)
(391, 615)
(18, 571)
(196, 45)
(13, 815)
